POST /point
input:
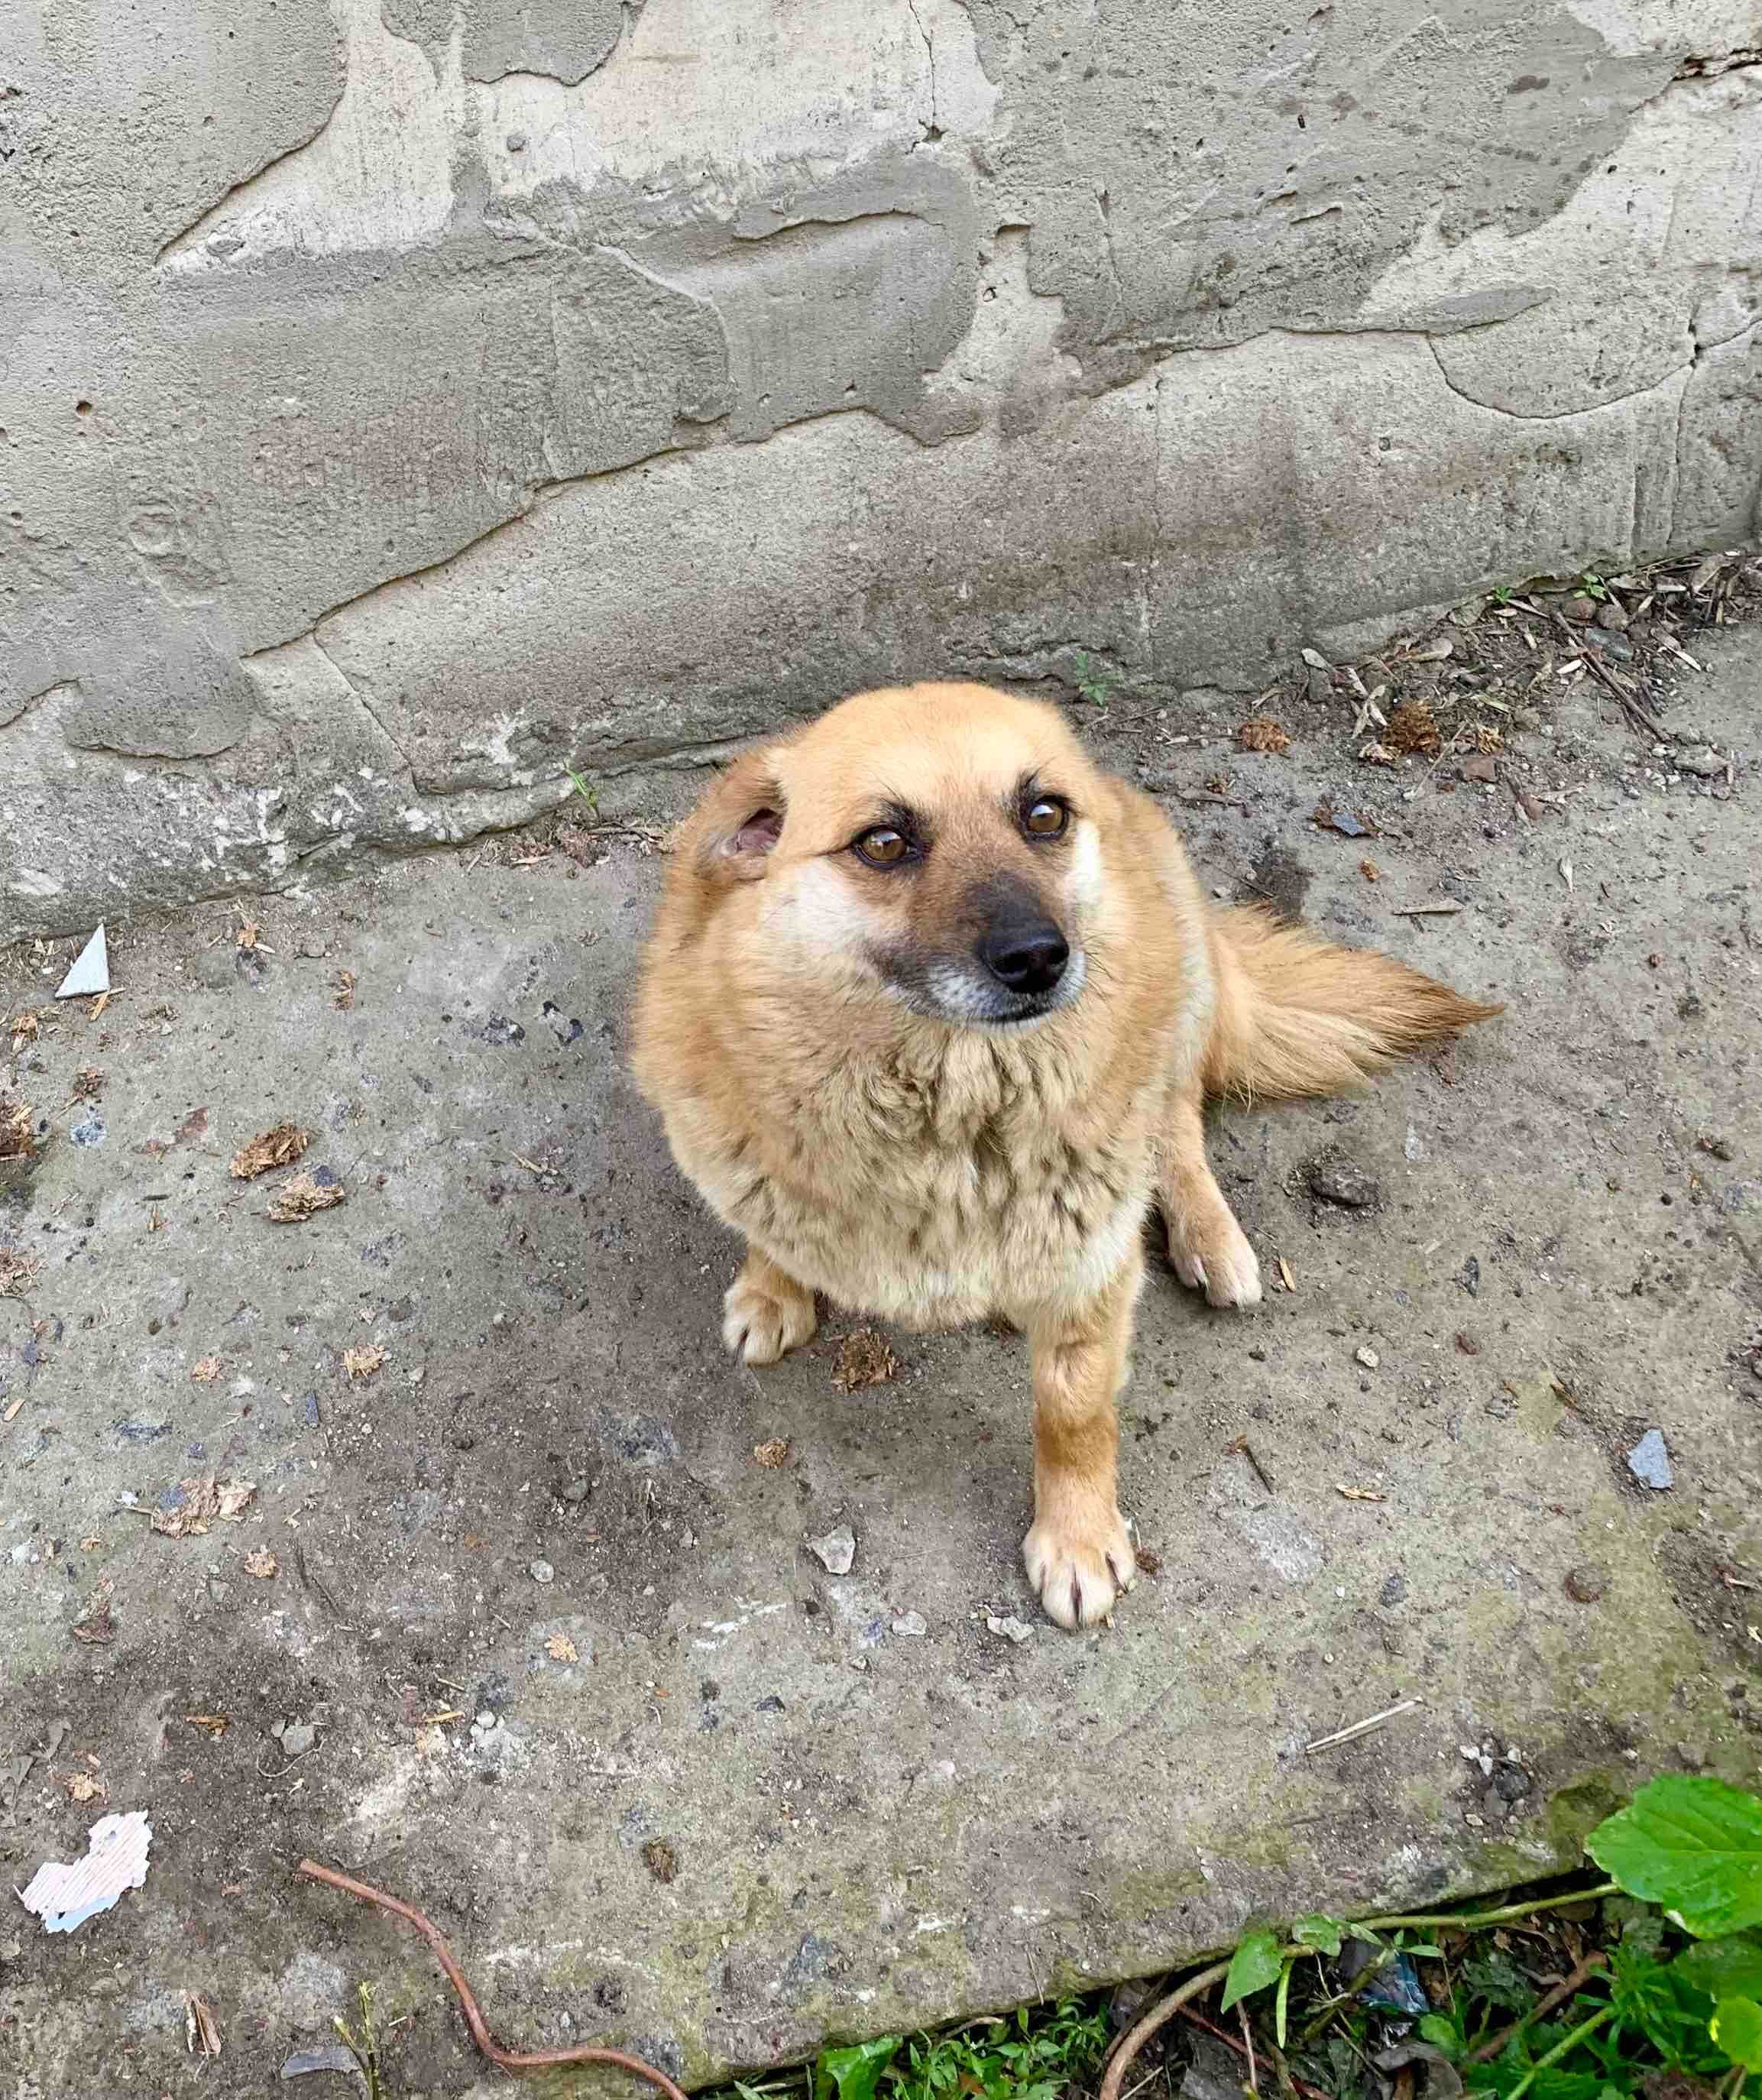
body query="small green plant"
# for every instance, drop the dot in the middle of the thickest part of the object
(363, 2044)
(1093, 682)
(1591, 585)
(1681, 1992)
(589, 794)
(1033, 2054)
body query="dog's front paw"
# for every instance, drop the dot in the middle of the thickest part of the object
(1079, 1565)
(765, 1317)
(1217, 1259)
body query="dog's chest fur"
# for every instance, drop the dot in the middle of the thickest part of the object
(939, 1187)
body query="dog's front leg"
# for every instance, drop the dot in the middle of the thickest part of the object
(1078, 1552)
(765, 1312)
(1208, 1249)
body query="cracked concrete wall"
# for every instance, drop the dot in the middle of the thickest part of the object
(401, 404)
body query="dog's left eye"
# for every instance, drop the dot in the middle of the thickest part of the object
(1044, 817)
(883, 847)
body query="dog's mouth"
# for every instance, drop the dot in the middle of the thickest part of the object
(966, 994)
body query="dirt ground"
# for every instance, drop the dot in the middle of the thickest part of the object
(516, 1626)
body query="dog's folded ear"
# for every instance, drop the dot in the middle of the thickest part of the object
(739, 822)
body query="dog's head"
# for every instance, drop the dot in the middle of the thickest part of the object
(937, 843)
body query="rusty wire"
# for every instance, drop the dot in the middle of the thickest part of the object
(507, 2059)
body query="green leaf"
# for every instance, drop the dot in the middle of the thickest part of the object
(1737, 2029)
(1255, 1963)
(855, 2071)
(1441, 2033)
(1692, 1844)
(1319, 1931)
(1724, 1968)
(1280, 2002)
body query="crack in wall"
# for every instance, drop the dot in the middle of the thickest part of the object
(1551, 415)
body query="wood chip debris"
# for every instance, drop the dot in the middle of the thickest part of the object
(261, 1563)
(1261, 733)
(82, 1787)
(216, 1724)
(1285, 1276)
(301, 1197)
(204, 1500)
(279, 1147)
(1413, 727)
(205, 1372)
(17, 1269)
(1359, 1494)
(1363, 1727)
(865, 1359)
(342, 989)
(560, 1649)
(364, 1359)
(17, 1141)
(772, 1454)
(201, 2036)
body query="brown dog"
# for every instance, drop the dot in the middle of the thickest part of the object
(931, 1010)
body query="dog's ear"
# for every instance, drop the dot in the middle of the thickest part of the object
(739, 822)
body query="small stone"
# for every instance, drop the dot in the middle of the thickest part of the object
(309, 1413)
(1366, 1355)
(1512, 1783)
(1337, 1179)
(1467, 1345)
(1648, 1461)
(578, 1489)
(836, 1550)
(296, 1738)
(910, 1625)
(1011, 1629)
(1393, 1591)
(461, 1440)
(1585, 1586)
(541, 1571)
(1706, 764)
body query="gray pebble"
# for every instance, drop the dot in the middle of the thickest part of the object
(1393, 1591)
(836, 1551)
(1706, 764)
(298, 1738)
(541, 1571)
(578, 1489)
(1338, 1179)
(1649, 1461)
(910, 1625)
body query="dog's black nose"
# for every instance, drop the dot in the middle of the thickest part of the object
(1027, 954)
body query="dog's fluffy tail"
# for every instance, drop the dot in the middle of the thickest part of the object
(1296, 1015)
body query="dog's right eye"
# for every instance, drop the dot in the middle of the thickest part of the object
(883, 847)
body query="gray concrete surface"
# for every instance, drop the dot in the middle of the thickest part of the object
(401, 404)
(864, 1827)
